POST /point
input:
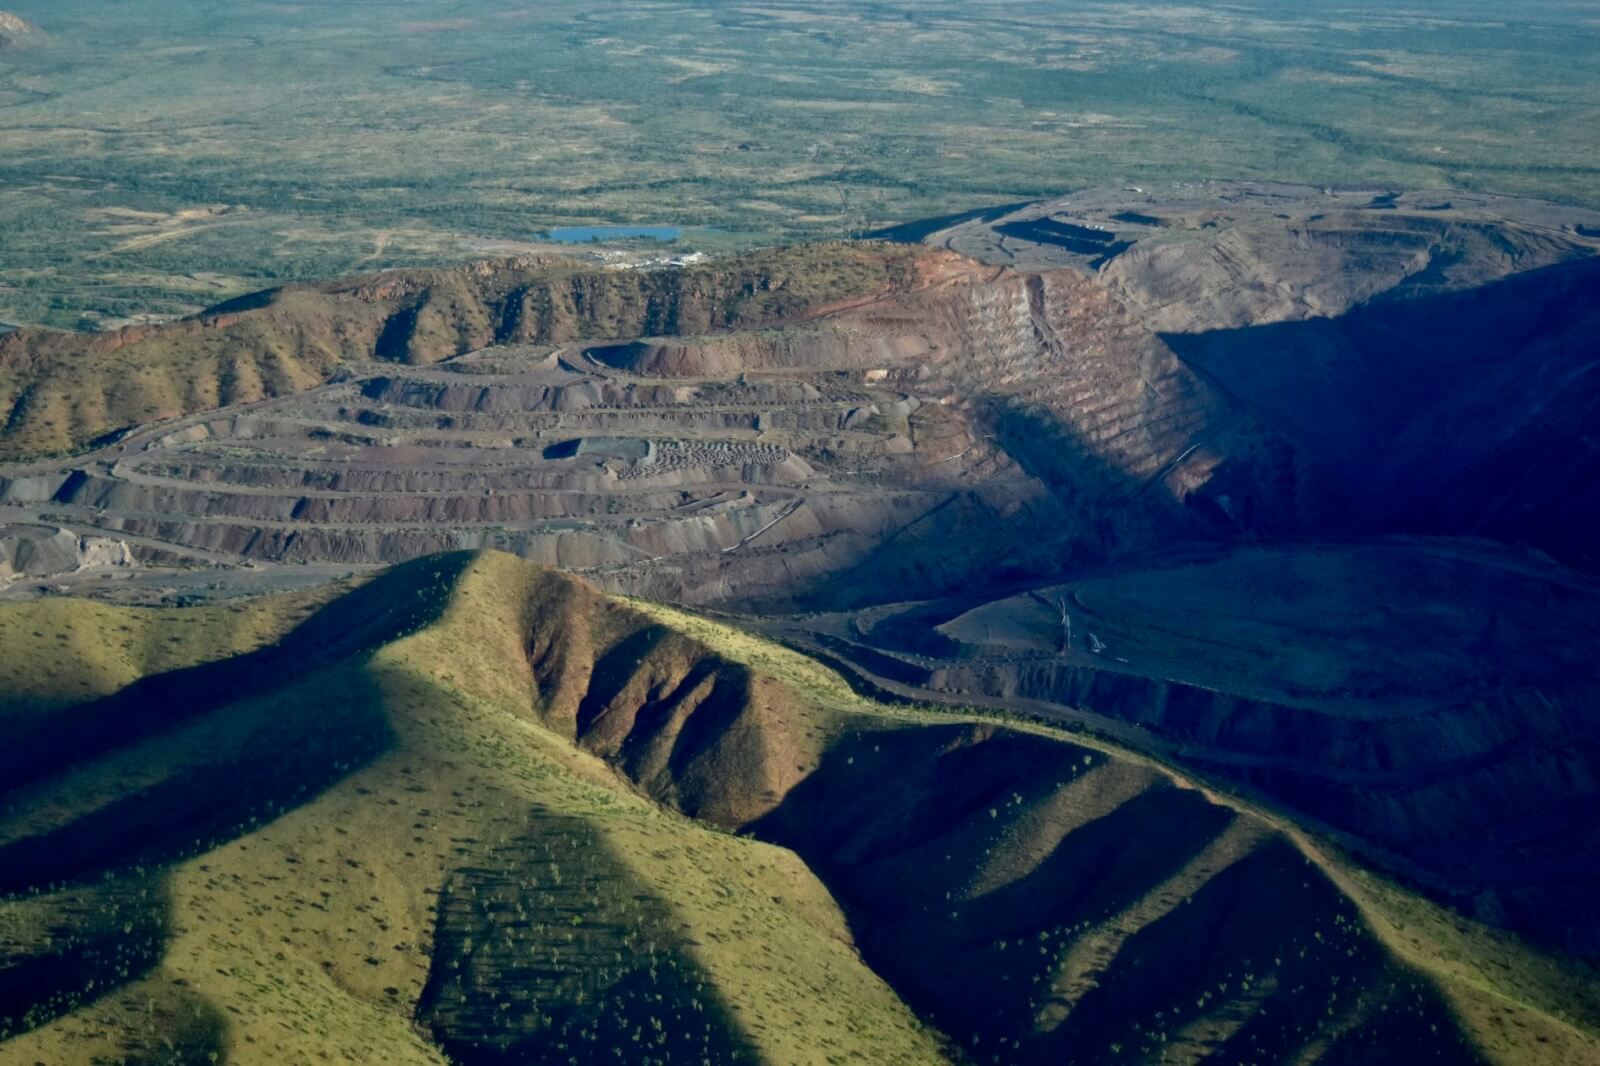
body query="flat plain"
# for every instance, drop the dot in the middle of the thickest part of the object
(160, 156)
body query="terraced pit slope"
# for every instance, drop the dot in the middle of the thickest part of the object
(1434, 702)
(1335, 562)
(831, 425)
(61, 391)
(471, 810)
(846, 456)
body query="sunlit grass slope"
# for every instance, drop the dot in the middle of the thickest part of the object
(386, 859)
(473, 811)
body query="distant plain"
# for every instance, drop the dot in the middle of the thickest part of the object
(160, 156)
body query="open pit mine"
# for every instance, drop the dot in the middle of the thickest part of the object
(1292, 491)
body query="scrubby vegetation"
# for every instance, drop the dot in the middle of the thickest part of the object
(472, 809)
(438, 130)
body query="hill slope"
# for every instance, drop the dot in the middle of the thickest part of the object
(863, 443)
(1455, 413)
(474, 809)
(1434, 700)
(59, 391)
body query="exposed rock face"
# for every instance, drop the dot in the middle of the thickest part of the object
(1037, 402)
(61, 391)
(1428, 357)
(14, 31)
(41, 552)
(836, 430)
(843, 459)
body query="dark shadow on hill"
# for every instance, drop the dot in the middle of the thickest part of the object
(186, 1030)
(250, 301)
(1153, 920)
(1101, 245)
(614, 671)
(1288, 963)
(62, 943)
(1525, 856)
(1095, 513)
(67, 948)
(1471, 413)
(549, 950)
(85, 906)
(920, 230)
(399, 601)
(268, 760)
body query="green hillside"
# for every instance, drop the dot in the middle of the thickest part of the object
(472, 811)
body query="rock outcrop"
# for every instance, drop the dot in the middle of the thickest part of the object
(35, 552)
(15, 31)
(61, 391)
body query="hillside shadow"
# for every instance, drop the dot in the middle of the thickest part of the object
(614, 671)
(401, 600)
(1093, 941)
(98, 940)
(86, 906)
(1101, 246)
(1094, 513)
(1471, 413)
(100, 935)
(1296, 970)
(549, 950)
(920, 230)
(279, 761)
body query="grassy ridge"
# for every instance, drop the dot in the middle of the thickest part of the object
(1517, 1003)
(311, 920)
(61, 653)
(463, 833)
